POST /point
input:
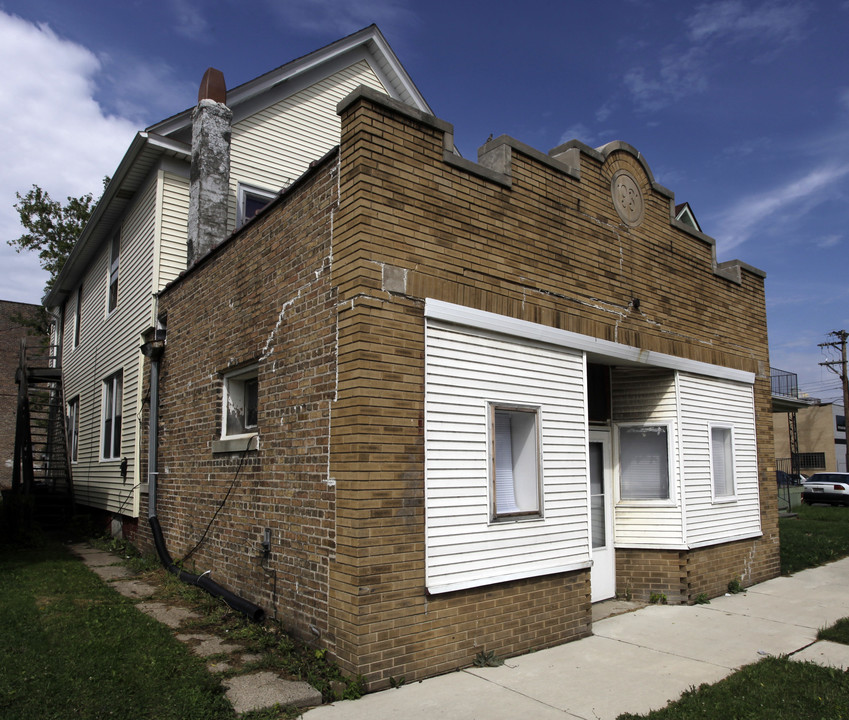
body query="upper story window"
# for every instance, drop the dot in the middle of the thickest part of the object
(78, 311)
(644, 462)
(114, 262)
(722, 462)
(241, 402)
(515, 462)
(251, 200)
(113, 391)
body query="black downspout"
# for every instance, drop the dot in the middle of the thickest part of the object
(153, 351)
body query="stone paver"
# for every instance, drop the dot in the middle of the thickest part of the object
(135, 589)
(168, 615)
(111, 572)
(206, 645)
(266, 689)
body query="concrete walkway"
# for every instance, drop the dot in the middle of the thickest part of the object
(634, 662)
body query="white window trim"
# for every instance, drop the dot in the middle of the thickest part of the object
(110, 381)
(521, 516)
(672, 500)
(113, 272)
(243, 191)
(244, 373)
(722, 499)
(73, 415)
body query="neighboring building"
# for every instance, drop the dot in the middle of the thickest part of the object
(420, 407)
(135, 242)
(821, 433)
(11, 334)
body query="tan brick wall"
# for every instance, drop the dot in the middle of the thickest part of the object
(263, 297)
(551, 250)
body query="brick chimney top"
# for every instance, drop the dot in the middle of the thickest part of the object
(213, 87)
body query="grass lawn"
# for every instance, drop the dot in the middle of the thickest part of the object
(778, 688)
(72, 647)
(818, 535)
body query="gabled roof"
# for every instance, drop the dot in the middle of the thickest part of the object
(172, 136)
(368, 44)
(684, 213)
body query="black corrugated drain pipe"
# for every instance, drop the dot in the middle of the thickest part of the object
(153, 350)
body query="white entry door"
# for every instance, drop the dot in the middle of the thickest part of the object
(603, 573)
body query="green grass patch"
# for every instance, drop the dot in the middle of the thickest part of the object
(819, 534)
(772, 689)
(839, 632)
(71, 646)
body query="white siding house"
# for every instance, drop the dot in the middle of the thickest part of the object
(136, 240)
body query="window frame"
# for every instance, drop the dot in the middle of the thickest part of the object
(72, 428)
(716, 498)
(670, 499)
(243, 375)
(245, 190)
(78, 311)
(531, 486)
(111, 410)
(113, 273)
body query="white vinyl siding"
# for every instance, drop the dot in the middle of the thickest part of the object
(174, 223)
(646, 397)
(708, 402)
(466, 375)
(274, 146)
(108, 345)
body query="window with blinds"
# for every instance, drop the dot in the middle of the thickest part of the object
(515, 462)
(644, 462)
(722, 462)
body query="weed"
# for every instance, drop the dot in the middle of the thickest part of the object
(487, 659)
(735, 586)
(657, 599)
(702, 599)
(397, 682)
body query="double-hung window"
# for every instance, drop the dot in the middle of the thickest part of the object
(112, 400)
(114, 262)
(644, 462)
(241, 403)
(73, 428)
(250, 201)
(515, 462)
(722, 462)
(78, 315)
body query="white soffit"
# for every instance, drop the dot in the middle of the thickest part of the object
(482, 320)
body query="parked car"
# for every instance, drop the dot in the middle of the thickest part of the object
(826, 487)
(783, 478)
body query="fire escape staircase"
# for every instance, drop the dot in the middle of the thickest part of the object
(41, 474)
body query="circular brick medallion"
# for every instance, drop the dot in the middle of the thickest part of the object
(627, 198)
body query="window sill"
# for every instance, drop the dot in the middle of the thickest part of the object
(724, 500)
(237, 443)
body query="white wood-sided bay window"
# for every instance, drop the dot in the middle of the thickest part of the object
(644, 473)
(515, 462)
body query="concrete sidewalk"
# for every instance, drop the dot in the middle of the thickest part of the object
(634, 662)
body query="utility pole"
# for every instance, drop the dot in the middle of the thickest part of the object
(838, 367)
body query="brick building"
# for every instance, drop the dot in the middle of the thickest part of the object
(11, 333)
(430, 407)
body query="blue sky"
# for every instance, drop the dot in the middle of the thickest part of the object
(740, 108)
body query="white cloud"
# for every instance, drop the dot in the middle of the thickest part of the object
(55, 134)
(734, 21)
(753, 213)
(190, 21)
(828, 241)
(577, 132)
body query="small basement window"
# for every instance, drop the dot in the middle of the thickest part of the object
(515, 462)
(241, 402)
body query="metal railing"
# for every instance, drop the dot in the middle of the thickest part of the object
(784, 383)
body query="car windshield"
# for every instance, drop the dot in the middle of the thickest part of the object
(829, 478)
